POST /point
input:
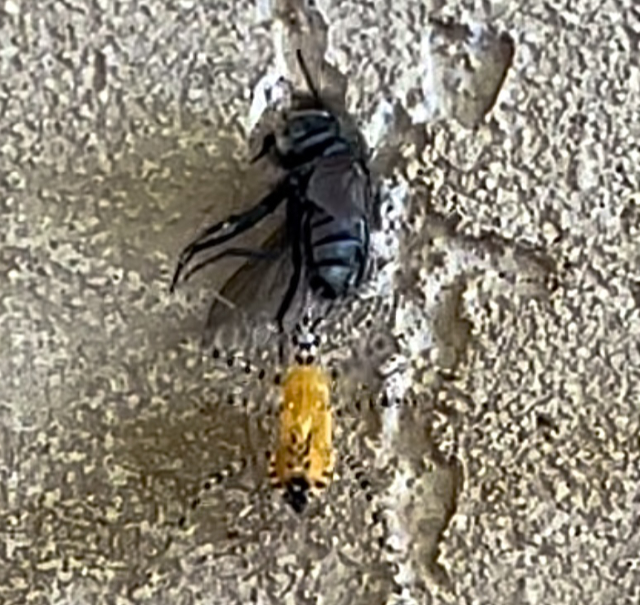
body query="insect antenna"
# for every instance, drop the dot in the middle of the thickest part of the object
(307, 76)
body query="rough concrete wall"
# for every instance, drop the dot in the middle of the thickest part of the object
(513, 476)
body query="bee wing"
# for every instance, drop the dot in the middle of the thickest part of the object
(243, 314)
(341, 187)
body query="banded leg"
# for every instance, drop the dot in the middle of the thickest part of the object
(294, 221)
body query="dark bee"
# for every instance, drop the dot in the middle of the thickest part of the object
(328, 190)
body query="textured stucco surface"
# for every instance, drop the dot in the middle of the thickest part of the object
(515, 252)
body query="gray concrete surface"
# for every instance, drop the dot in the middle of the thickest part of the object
(511, 473)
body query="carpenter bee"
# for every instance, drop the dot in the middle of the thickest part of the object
(324, 242)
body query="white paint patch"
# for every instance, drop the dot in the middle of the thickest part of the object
(396, 385)
(268, 91)
(398, 372)
(385, 243)
(430, 107)
(279, 43)
(477, 30)
(412, 323)
(264, 10)
(274, 86)
(397, 499)
(12, 8)
(380, 124)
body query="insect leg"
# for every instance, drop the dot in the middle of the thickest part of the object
(236, 224)
(213, 480)
(295, 221)
(361, 476)
(268, 143)
(364, 254)
(233, 252)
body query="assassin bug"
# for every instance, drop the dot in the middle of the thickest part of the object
(303, 457)
(328, 192)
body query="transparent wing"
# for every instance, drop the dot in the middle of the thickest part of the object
(242, 315)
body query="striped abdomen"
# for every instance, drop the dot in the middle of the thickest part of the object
(337, 251)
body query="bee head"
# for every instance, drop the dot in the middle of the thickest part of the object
(297, 493)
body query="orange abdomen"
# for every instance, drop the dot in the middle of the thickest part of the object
(304, 450)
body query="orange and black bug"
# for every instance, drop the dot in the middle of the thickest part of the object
(303, 455)
(304, 458)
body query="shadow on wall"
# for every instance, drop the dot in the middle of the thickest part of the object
(94, 489)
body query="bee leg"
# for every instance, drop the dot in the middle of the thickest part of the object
(235, 224)
(376, 209)
(364, 256)
(268, 143)
(297, 265)
(234, 252)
